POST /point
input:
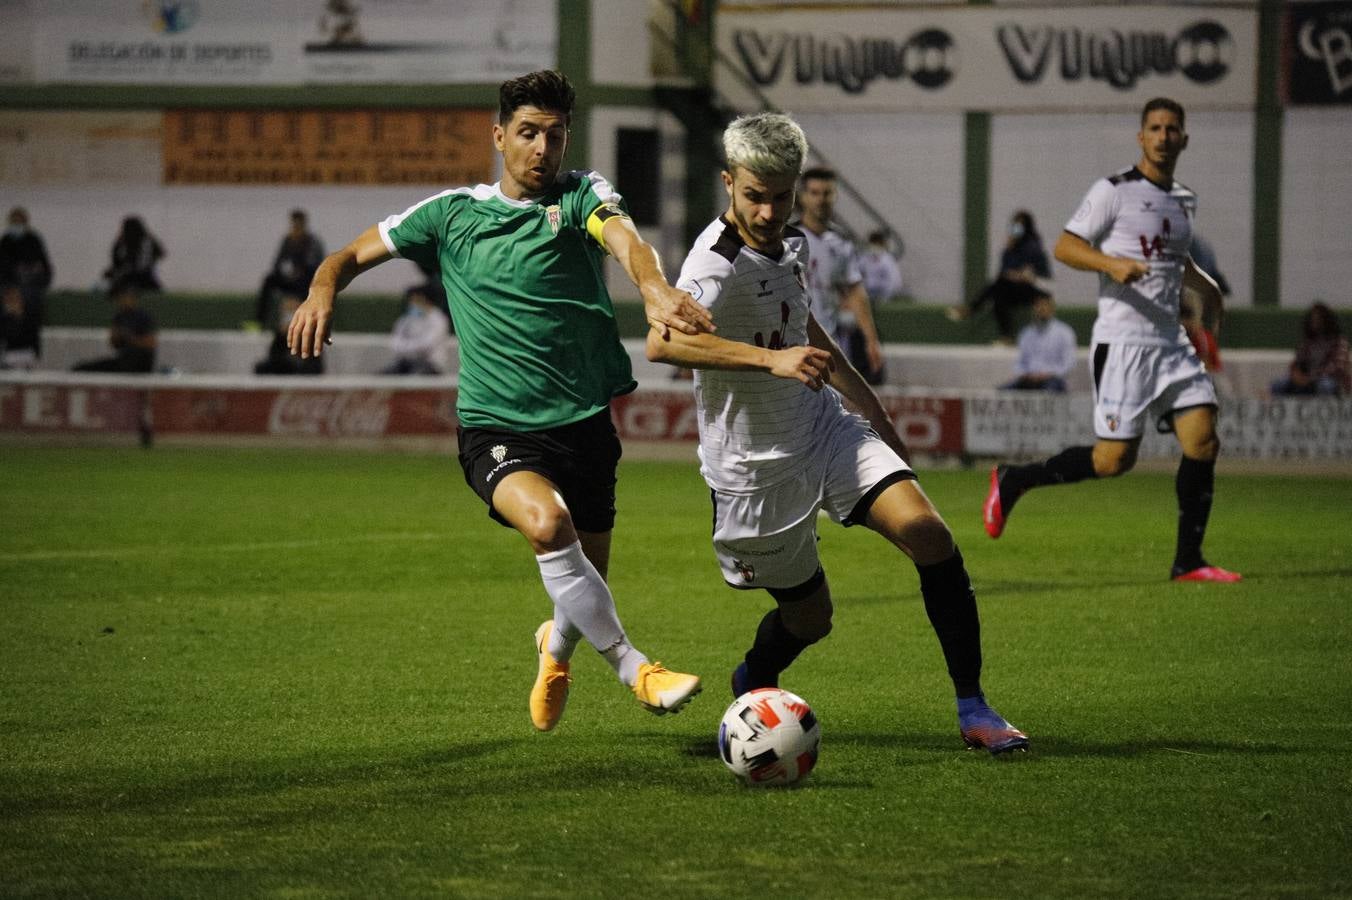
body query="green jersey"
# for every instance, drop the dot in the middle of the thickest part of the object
(539, 346)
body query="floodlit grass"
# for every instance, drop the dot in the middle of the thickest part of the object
(299, 674)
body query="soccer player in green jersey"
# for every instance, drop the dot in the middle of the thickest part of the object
(540, 359)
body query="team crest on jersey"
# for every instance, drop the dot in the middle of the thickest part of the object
(746, 570)
(499, 453)
(555, 214)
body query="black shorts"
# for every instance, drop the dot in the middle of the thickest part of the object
(580, 459)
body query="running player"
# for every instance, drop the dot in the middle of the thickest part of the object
(540, 359)
(776, 447)
(835, 282)
(1134, 229)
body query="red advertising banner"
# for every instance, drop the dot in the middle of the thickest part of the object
(65, 409)
(305, 413)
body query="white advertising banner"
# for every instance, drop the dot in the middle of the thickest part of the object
(264, 42)
(417, 41)
(1023, 424)
(185, 42)
(1009, 58)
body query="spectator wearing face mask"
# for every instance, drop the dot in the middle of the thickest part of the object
(420, 337)
(1022, 262)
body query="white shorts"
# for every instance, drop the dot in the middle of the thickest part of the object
(768, 539)
(1135, 381)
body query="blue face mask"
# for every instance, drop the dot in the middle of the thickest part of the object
(415, 311)
(1016, 230)
(16, 231)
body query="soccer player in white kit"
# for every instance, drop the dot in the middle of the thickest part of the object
(777, 446)
(1134, 229)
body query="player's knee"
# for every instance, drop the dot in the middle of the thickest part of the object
(927, 539)
(547, 527)
(1111, 465)
(808, 621)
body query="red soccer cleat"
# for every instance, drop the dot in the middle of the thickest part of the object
(1209, 573)
(993, 513)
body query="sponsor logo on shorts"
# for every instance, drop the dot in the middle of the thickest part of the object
(1113, 422)
(499, 453)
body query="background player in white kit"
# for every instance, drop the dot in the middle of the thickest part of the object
(775, 447)
(1134, 228)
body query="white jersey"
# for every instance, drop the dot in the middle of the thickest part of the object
(833, 268)
(1128, 215)
(755, 430)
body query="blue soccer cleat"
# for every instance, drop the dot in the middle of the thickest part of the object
(741, 681)
(983, 727)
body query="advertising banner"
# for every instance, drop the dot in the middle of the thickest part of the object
(416, 42)
(1010, 58)
(263, 42)
(331, 147)
(71, 148)
(183, 42)
(1317, 53)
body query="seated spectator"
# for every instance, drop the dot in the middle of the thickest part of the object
(24, 262)
(133, 335)
(136, 253)
(280, 360)
(1321, 365)
(1022, 262)
(419, 338)
(18, 332)
(1046, 350)
(298, 256)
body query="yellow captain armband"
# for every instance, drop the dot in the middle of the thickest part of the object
(596, 222)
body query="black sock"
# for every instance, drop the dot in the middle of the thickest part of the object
(1194, 484)
(1067, 467)
(950, 604)
(775, 649)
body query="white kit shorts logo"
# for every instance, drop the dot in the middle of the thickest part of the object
(499, 453)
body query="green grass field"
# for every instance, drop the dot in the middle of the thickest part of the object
(304, 674)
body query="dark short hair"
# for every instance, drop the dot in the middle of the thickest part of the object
(1164, 103)
(545, 89)
(819, 173)
(299, 214)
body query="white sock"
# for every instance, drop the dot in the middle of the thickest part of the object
(583, 605)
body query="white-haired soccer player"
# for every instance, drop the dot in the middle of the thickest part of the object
(540, 359)
(776, 445)
(1134, 229)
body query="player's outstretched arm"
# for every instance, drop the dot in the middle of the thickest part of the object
(852, 386)
(1076, 252)
(666, 307)
(310, 327)
(809, 365)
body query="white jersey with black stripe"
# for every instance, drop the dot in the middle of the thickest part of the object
(1128, 215)
(754, 428)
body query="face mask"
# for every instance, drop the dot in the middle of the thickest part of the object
(415, 311)
(16, 231)
(1016, 230)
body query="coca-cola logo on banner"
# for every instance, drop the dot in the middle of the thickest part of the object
(1202, 52)
(333, 413)
(929, 58)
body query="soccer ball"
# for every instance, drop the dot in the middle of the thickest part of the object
(769, 737)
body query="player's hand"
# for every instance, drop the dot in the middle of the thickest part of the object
(810, 365)
(309, 329)
(1125, 271)
(668, 308)
(874, 351)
